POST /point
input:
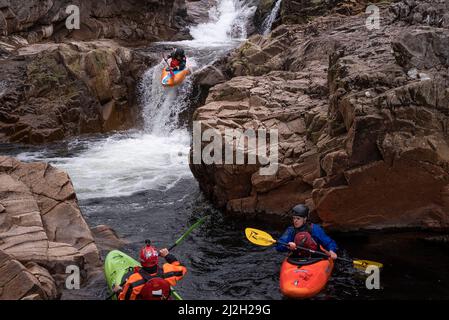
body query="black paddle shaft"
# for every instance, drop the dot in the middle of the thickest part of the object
(314, 252)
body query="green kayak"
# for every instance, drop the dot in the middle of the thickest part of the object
(116, 265)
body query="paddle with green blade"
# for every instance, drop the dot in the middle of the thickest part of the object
(263, 238)
(181, 239)
(186, 234)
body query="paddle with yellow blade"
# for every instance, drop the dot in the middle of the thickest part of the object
(262, 238)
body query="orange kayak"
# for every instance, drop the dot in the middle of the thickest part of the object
(169, 79)
(304, 279)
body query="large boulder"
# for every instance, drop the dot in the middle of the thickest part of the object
(260, 55)
(198, 10)
(41, 224)
(361, 120)
(106, 238)
(18, 282)
(53, 91)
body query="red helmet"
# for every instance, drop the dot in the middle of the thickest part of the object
(149, 256)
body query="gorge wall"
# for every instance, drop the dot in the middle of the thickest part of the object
(57, 83)
(127, 20)
(362, 116)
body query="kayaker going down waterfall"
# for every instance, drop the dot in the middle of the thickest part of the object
(305, 234)
(178, 60)
(150, 282)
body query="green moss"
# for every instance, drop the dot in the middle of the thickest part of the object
(99, 58)
(46, 71)
(49, 78)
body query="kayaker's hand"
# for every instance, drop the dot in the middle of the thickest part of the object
(292, 246)
(116, 288)
(163, 252)
(333, 255)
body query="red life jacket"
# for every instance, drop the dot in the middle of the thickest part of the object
(174, 63)
(305, 240)
(156, 285)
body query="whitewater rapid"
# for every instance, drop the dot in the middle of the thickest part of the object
(156, 157)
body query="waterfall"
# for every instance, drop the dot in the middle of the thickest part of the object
(156, 157)
(162, 106)
(227, 21)
(268, 22)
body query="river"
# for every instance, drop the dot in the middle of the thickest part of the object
(139, 183)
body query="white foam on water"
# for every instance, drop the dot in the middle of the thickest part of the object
(124, 165)
(227, 24)
(163, 105)
(155, 158)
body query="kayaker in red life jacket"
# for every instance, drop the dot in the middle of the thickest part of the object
(150, 282)
(178, 60)
(305, 234)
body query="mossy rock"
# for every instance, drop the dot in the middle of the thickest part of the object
(97, 61)
(45, 75)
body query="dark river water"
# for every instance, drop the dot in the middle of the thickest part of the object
(223, 264)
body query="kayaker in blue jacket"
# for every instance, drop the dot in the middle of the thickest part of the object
(300, 215)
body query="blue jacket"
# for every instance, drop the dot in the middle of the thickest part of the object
(317, 234)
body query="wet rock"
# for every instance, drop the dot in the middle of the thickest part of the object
(106, 238)
(263, 10)
(209, 76)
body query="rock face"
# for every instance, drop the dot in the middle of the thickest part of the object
(428, 12)
(42, 230)
(198, 10)
(106, 238)
(53, 91)
(72, 83)
(361, 116)
(18, 282)
(127, 20)
(303, 11)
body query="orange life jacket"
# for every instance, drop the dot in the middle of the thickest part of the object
(171, 273)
